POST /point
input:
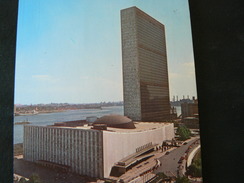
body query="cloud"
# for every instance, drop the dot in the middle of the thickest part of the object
(46, 78)
(182, 80)
(101, 88)
(173, 75)
(41, 77)
(188, 64)
(188, 69)
(100, 82)
(185, 69)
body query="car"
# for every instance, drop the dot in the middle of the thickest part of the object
(167, 153)
(182, 157)
(184, 143)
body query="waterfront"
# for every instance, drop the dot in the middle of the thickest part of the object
(71, 115)
(51, 118)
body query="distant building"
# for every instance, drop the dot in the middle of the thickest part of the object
(189, 112)
(189, 109)
(145, 73)
(173, 113)
(191, 122)
(92, 150)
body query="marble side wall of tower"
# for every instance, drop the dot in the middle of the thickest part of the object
(145, 73)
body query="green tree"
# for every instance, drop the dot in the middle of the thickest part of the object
(34, 178)
(162, 175)
(22, 180)
(184, 132)
(195, 169)
(183, 179)
(159, 177)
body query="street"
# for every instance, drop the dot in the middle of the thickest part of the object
(170, 162)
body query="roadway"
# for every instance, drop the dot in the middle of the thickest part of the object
(169, 163)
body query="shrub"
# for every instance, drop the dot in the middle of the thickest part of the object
(34, 178)
(183, 179)
(184, 132)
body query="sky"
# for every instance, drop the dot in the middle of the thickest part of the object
(70, 51)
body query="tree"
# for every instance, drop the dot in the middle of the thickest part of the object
(183, 132)
(162, 175)
(183, 179)
(22, 180)
(34, 178)
(159, 177)
(195, 169)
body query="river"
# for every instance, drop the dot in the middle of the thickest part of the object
(71, 115)
(51, 118)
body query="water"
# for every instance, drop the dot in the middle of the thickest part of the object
(51, 118)
(72, 115)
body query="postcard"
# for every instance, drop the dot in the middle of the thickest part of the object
(105, 91)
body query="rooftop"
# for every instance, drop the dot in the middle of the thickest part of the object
(140, 126)
(117, 121)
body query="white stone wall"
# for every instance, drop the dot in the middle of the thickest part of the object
(117, 146)
(131, 84)
(87, 152)
(80, 149)
(192, 155)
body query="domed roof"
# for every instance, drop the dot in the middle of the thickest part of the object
(117, 121)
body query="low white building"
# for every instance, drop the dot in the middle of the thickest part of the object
(92, 150)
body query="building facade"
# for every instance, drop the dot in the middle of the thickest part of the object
(79, 149)
(145, 73)
(87, 151)
(189, 109)
(189, 113)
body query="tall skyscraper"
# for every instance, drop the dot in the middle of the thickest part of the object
(145, 73)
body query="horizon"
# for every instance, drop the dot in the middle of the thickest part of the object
(179, 99)
(70, 52)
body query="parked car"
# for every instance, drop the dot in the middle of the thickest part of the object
(167, 153)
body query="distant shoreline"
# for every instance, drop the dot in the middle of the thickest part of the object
(51, 111)
(22, 123)
(39, 112)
